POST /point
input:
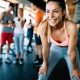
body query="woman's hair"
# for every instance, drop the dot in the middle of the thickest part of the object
(20, 9)
(61, 3)
(11, 4)
(47, 28)
(39, 3)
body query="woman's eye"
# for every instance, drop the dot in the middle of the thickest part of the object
(55, 11)
(47, 11)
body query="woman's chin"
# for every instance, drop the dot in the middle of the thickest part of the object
(52, 24)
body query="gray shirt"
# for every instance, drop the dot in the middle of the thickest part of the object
(4, 21)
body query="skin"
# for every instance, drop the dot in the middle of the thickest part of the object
(20, 15)
(54, 19)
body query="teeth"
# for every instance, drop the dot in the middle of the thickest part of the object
(52, 20)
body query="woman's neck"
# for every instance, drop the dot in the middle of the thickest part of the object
(58, 26)
(19, 17)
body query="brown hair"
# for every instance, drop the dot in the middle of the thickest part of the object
(44, 28)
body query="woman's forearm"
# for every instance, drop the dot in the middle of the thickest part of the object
(72, 56)
(45, 52)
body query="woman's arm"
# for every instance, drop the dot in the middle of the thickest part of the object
(73, 33)
(1, 16)
(45, 47)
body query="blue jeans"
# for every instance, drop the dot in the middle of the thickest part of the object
(58, 71)
(56, 54)
(19, 41)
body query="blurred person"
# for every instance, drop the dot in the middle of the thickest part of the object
(60, 55)
(67, 11)
(74, 1)
(29, 26)
(19, 37)
(77, 13)
(30, 35)
(77, 21)
(38, 18)
(6, 33)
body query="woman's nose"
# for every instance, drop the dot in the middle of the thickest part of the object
(51, 15)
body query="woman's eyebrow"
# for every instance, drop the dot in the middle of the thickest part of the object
(53, 9)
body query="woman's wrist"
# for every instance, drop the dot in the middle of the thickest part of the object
(45, 63)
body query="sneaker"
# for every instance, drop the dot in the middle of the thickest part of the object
(21, 61)
(29, 50)
(8, 60)
(0, 60)
(16, 61)
(38, 63)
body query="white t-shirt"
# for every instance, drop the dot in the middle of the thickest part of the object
(18, 27)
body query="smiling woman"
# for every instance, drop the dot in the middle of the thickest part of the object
(62, 56)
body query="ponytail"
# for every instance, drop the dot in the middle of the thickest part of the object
(44, 28)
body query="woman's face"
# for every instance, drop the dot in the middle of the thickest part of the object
(20, 12)
(54, 13)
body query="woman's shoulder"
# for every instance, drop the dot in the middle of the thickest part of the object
(70, 24)
(42, 27)
(71, 27)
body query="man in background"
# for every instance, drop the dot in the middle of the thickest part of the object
(6, 33)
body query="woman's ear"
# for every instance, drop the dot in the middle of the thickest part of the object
(64, 12)
(64, 15)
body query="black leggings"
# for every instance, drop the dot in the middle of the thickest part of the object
(30, 36)
(60, 72)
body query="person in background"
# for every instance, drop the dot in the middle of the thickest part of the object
(74, 1)
(6, 33)
(38, 18)
(61, 58)
(77, 21)
(67, 11)
(19, 37)
(29, 35)
(77, 13)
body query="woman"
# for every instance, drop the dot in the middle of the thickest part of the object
(19, 37)
(62, 34)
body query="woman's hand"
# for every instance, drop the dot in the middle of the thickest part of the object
(43, 69)
(76, 73)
